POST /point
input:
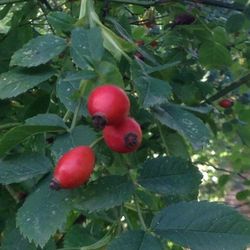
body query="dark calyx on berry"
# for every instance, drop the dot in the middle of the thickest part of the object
(130, 140)
(99, 122)
(54, 184)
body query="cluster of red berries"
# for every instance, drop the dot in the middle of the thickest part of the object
(109, 108)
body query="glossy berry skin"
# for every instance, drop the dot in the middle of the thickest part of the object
(124, 138)
(108, 105)
(226, 103)
(73, 168)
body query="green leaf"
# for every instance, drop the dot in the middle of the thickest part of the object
(220, 35)
(243, 195)
(162, 67)
(39, 51)
(105, 193)
(185, 123)
(176, 145)
(81, 135)
(171, 176)
(235, 22)
(23, 167)
(16, 135)
(13, 240)
(4, 11)
(68, 87)
(43, 213)
(46, 120)
(61, 21)
(108, 73)
(78, 236)
(18, 81)
(135, 240)
(213, 55)
(86, 46)
(152, 91)
(203, 225)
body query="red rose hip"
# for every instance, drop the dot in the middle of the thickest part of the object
(73, 168)
(125, 137)
(108, 105)
(226, 103)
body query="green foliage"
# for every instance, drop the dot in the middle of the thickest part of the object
(185, 123)
(23, 167)
(152, 91)
(86, 47)
(38, 51)
(203, 225)
(18, 81)
(172, 177)
(43, 213)
(53, 53)
(135, 240)
(105, 193)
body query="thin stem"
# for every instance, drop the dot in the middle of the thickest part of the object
(223, 170)
(46, 3)
(105, 8)
(12, 193)
(231, 172)
(13, 1)
(9, 125)
(144, 227)
(162, 137)
(219, 3)
(215, 3)
(74, 120)
(234, 85)
(127, 219)
(45, 15)
(94, 143)
(82, 9)
(83, 85)
(67, 115)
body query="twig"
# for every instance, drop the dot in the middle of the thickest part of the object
(12, 193)
(46, 3)
(223, 170)
(144, 227)
(45, 15)
(13, 1)
(105, 8)
(10, 125)
(234, 85)
(215, 3)
(162, 138)
(74, 120)
(230, 172)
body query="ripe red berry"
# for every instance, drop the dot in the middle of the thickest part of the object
(108, 105)
(73, 168)
(226, 103)
(123, 138)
